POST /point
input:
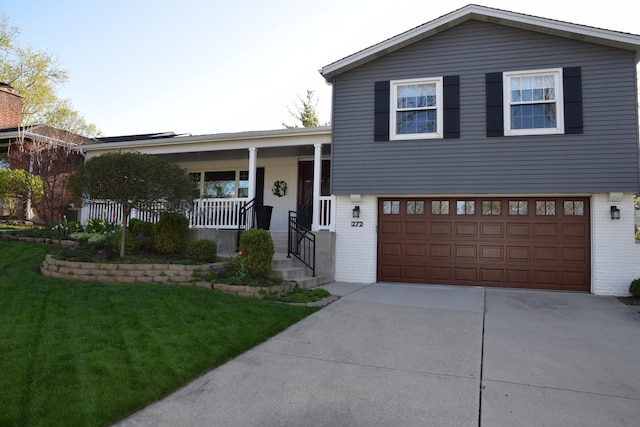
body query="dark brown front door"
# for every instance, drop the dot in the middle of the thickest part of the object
(539, 243)
(305, 180)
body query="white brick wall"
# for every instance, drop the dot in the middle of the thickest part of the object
(615, 257)
(356, 246)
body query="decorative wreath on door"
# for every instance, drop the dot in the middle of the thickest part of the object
(279, 188)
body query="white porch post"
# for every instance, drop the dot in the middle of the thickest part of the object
(317, 177)
(252, 172)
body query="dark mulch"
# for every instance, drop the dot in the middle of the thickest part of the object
(630, 300)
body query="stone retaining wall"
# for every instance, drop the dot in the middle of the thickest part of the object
(124, 273)
(252, 291)
(6, 235)
(179, 274)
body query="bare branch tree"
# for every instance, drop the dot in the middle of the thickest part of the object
(50, 155)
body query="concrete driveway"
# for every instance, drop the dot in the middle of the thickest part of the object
(413, 355)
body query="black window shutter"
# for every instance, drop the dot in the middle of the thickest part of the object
(381, 111)
(572, 86)
(495, 117)
(451, 106)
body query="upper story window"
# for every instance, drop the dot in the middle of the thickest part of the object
(416, 109)
(533, 102)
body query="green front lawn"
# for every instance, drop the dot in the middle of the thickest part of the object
(89, 354)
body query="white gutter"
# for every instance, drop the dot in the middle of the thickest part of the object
(221, 141)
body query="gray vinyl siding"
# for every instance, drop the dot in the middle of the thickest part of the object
(604, 158)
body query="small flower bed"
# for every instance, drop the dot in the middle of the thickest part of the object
(300, 296)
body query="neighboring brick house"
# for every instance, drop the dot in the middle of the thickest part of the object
(41, 150)
(488, 148)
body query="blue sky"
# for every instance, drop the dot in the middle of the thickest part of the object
(199, 67)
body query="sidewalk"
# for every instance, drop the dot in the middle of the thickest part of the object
(405, 355)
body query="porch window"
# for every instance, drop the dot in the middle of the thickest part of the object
(219, 184)
(243, 184)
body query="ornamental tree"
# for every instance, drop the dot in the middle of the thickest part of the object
(133, 180)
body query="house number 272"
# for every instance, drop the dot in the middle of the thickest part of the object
(356, 223)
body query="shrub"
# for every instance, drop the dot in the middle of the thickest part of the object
(138, 226)
(634, 288)
(203, 251)
(256, 249)
(140, 236)
(170, 233)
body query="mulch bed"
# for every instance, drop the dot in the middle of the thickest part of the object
(630, 300)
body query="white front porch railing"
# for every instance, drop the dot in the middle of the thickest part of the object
(222, 214)
(327, 213)
(112, 212)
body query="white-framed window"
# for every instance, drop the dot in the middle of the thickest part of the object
(533, 102)
(221, 184)
(416, 109)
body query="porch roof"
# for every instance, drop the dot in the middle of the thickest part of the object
(216, 142)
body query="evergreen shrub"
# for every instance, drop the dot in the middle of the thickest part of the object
(203, 250)
(256, 248)
(170, 233)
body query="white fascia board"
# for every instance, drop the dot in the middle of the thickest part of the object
(481, 13)
(218, 142)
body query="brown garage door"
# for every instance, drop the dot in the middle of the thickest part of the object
(540, 243)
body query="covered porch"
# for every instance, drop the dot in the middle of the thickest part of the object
(276, 172)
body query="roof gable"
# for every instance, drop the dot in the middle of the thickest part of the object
(484, 14)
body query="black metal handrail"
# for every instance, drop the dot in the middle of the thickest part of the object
(246, 218)
(301, 243)
(304, 215)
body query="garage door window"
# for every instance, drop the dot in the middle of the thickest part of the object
(518, 207)
(391, 207)
(415, 207)
(545, 207)
(491, 207)
(440, 207)
(573, 208)
(466, 207)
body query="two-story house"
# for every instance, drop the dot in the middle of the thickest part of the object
(488, 148)
(483, 148)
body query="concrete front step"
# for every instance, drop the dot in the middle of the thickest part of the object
(312, 282)
(287, 273)
(280, 240)
(291, 269)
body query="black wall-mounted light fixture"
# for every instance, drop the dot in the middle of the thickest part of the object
(615, 212)
(356, 212)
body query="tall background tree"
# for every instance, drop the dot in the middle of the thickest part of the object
(36, 75)
(306, 112)
(135, 181)
(48, 125)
